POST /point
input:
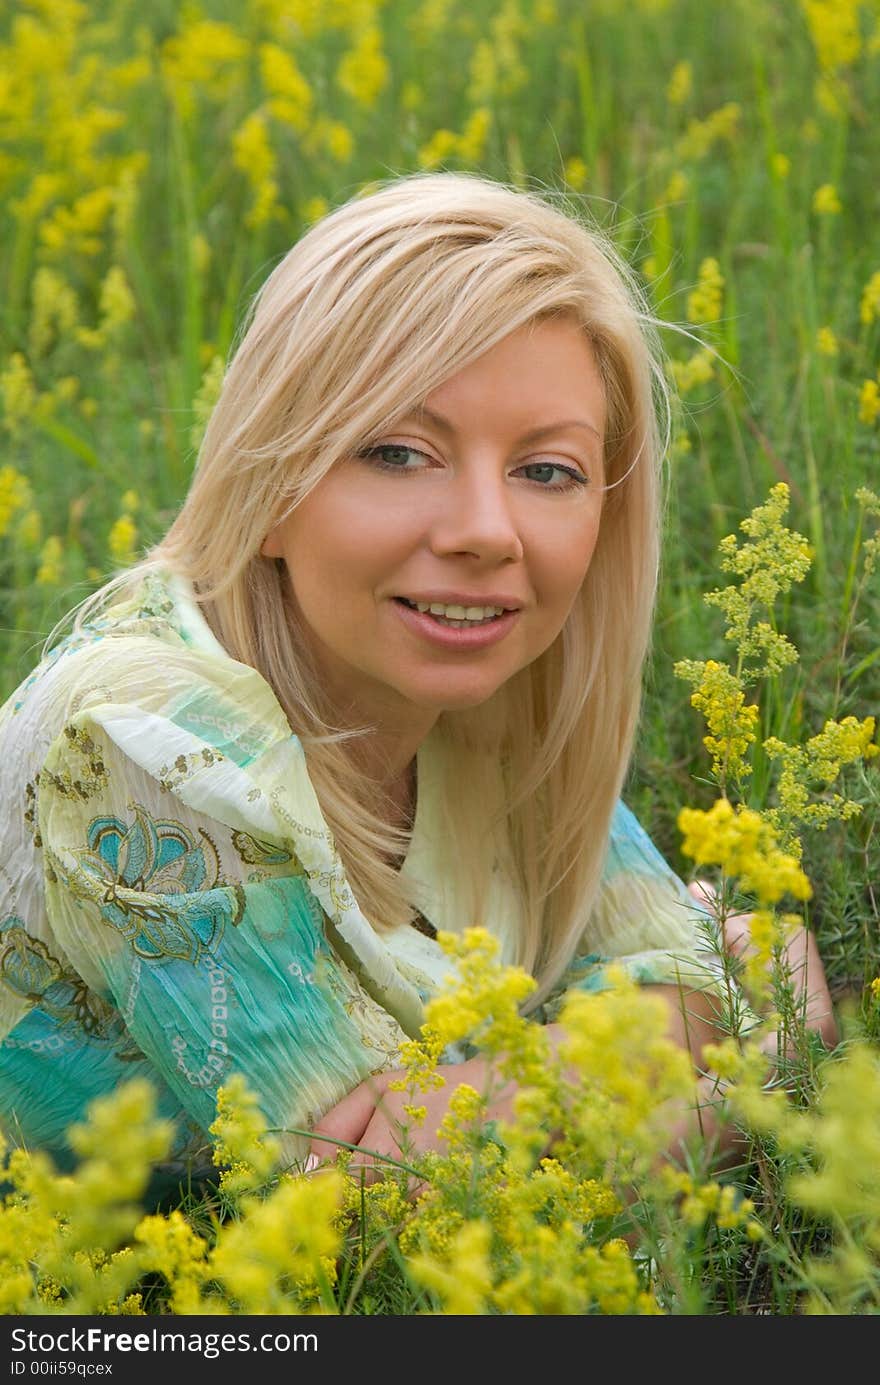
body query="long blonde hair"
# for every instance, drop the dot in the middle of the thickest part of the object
(448, 264)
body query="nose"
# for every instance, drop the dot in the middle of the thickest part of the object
(477, 517)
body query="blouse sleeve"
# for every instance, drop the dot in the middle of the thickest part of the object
(186, 872)
(645, 920)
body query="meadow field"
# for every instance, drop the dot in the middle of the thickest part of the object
(156, 160)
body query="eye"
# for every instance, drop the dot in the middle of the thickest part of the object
(392, 456)
(566, 477)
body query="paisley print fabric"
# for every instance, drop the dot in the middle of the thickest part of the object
(172, 902)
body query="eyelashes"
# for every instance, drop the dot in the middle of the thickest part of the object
(375, 455)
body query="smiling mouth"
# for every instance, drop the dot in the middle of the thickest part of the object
(464, 622)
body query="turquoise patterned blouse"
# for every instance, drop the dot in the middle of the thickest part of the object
(165, 880)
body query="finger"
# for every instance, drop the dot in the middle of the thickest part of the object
(704, 891)
(347, 1120)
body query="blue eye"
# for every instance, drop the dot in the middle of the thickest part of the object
(570, 476)
(390, 456)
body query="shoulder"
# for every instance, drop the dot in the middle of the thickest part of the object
(152, 653)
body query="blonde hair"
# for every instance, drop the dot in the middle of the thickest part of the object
(449, 264)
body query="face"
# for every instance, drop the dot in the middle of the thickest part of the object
(484, 506)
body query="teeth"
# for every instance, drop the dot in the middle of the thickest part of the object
(436, 608)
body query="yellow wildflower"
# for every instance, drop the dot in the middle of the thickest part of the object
(122, 538)
(869, 402)
(677, 188)
(54, 311)
(30, 529)
(472, 140)
(483, 73)
(331, 137)
(290, 96)
(117, 305)
(314, 208)
(826, 342)
(18, 392)
(15, 495)
(200, 252)
(680, 84)
(698, 369)
(575, 172)
(771, 560)
(49, 570)
(834, 29)
(203, 54)
(438, 149)
(869, 308)
(253, 154)
(704, 302)
(172, 1248)
(875, 988)
(241, 1138)
(277, 1254)
(780, 166)
(79, 228)
(744, 845)
(700, 135)
(363, 72)
(720, 696)
(826, 201)
(464, 1281)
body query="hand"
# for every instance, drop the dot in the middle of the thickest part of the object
(802, 959)
(374, 1119)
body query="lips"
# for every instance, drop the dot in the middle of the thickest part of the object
(463, 637)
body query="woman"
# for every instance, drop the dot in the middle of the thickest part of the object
(381, 676)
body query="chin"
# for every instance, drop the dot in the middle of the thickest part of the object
(457, 700)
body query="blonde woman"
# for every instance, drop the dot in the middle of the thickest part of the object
(380, 677)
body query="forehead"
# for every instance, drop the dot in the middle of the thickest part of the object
(547, 366)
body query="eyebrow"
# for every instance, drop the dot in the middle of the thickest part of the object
(446, 426)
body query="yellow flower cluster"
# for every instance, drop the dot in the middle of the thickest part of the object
(826, 201)
(869, 401)
(701, 135)
(253, 154)
(15, 495)
(680, 84)
(869, 307)
(826, 342)
(869, 503)
(78, 229)
(51, 557)
(705, 301)
(289, 94)
(364, 72)
(720, 696)
(116, 308)
(205, 55)
(772, 559)
(575, 172)
(697, 370)
(835, 31)
(818, 761)
(54, 311)
(17, 392)
(468, 146)
(745, 846)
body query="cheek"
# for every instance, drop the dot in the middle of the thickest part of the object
(567, 563)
